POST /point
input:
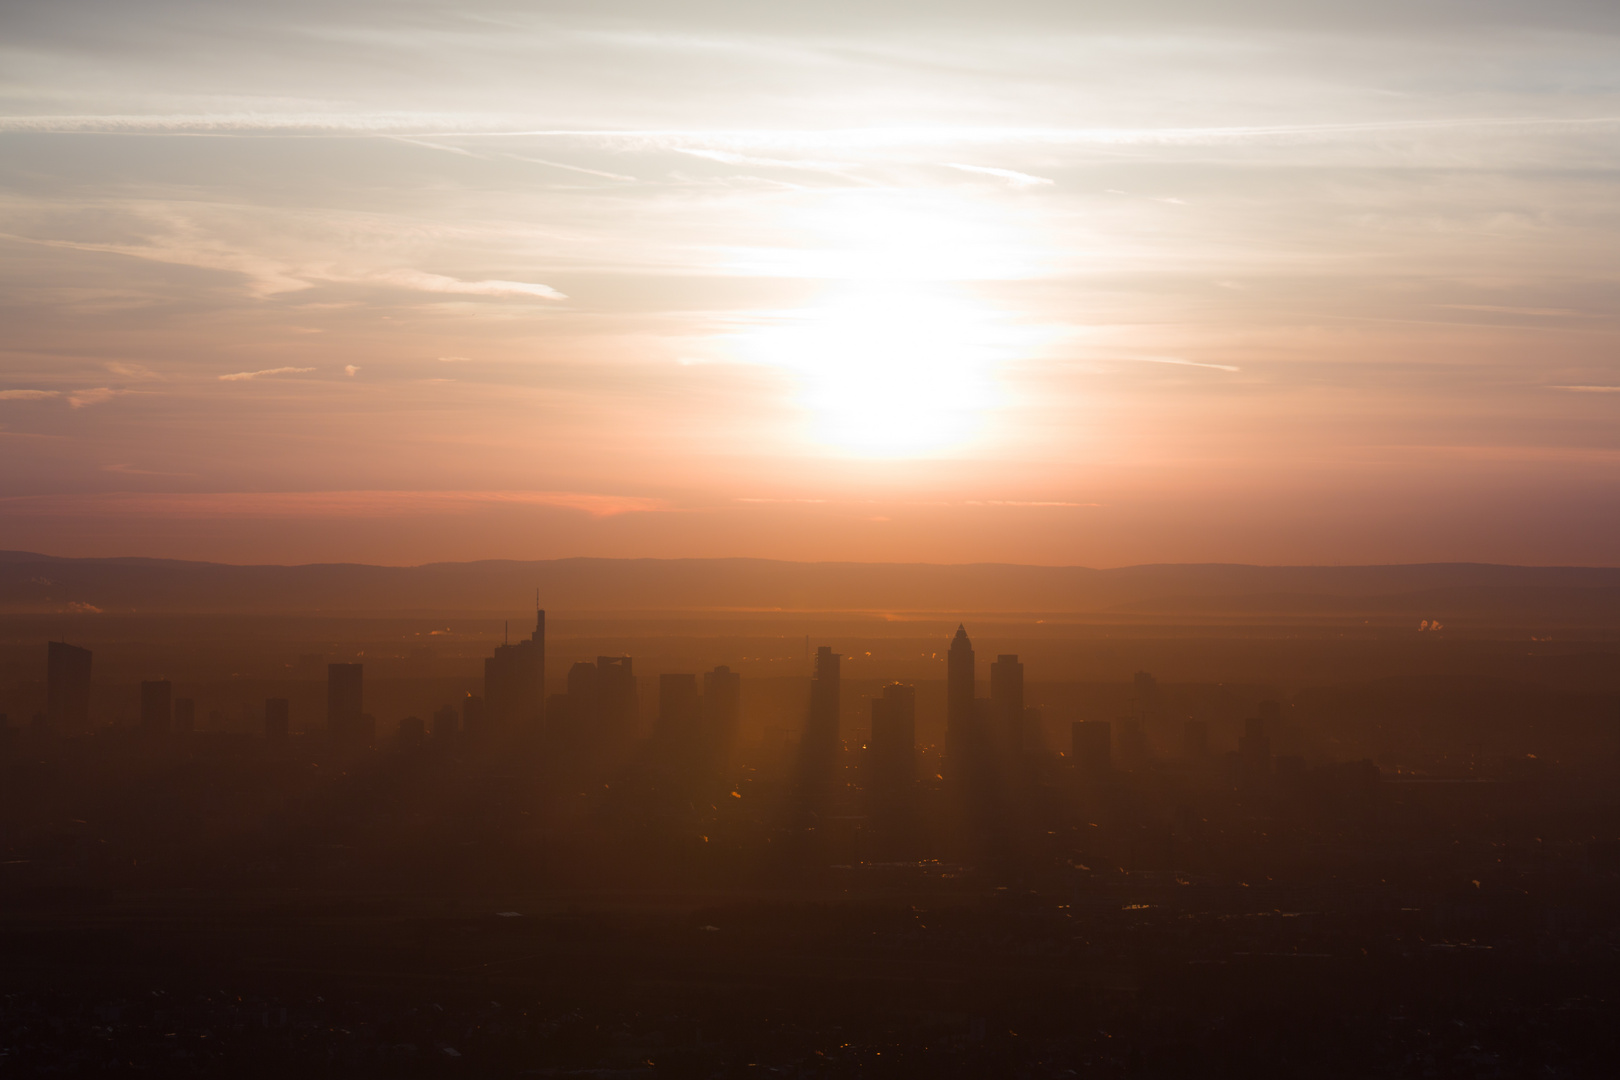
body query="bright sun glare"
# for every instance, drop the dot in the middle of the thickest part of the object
(897, 359)
(889, 369)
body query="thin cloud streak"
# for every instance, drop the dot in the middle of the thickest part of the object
(243, 376)
(320, 504)
(438, 283)
(1178, 362)
(1012, 176)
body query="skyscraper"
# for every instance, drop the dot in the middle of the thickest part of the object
(889, 772)
(515, 681)
(1147, 693)
(722, 714)
(472, 715)
(1195, 740)
(893, 746)
(959, 688)
(1131, 738)
(1254, 747)
(820, 747)
(1007, 701)
(571, 720)
(601, 708)
(276, 719)
(680, 716)
(581, 685)
(67, 688)
(157, 708)
(344, 693)
(412, 732)
(445, 722)
(1092, 748)
(185, 716)
(618, 703)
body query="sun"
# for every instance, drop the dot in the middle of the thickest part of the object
(898, 356)
(888, 369)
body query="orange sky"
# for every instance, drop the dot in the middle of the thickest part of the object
(414, 281)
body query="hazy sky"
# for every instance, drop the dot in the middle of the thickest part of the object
(1034, 282)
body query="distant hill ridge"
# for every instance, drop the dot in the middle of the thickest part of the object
(41, 583)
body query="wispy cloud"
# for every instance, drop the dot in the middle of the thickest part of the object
(190, 246)
(130, 470)
(1508, 310)
(438, 283)
(728, 157)
(351, 370)
(27, 395)
(1179, 362)
(1012, 176)
(130, 371)
(570, 168)
(233, 123)
(321, 504)
(1032, 502)
(1590, 389)
(243, 376)
(80, 398)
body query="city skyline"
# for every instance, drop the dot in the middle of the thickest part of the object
(751, 538)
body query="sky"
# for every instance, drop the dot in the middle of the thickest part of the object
(1058, 283)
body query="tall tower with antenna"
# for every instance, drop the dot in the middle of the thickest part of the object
(515, 678)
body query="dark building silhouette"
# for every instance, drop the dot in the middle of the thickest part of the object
(722, 714)
(618, 704)
(412, 731)
(185, 716)
(1195, 740)
(277, 719)
(1254, 749)
(1007, 701)
(445, 722)
(571, 717)
(345, 718)
(515, 681)
(67, 688)
(1132, 742)
(1092, 748)
(818, 750)
(1284, 734)
(157, 706)
(601, 707)
(680, 716)
(582, 680)
(892, 749)
(1030, 735)
(959, 689)
(472, 715)
(1147, 694)
(1291, 771)
(889, 771)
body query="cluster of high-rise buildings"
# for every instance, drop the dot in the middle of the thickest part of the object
(699, 716)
